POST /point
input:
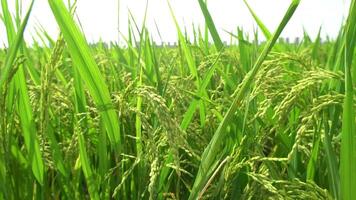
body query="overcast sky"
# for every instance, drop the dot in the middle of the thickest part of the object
(99, 18)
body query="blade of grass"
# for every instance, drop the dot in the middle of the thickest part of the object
(332, 164)
(88, 69)
(348, 136)
(210, 23)
(186, 50)
(312, 164)
(3, 192)
(212, 150)
(245, 51)
(15, 41)
(24, 107)
(259, 22)
(316, 45)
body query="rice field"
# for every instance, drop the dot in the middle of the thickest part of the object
(247, 120)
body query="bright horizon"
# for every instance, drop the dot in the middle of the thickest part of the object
(99, 19)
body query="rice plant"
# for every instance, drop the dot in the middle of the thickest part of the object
(247, 120)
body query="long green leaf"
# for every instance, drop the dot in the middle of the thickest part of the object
(15, 41)
(348, 137)
(24, 107)
(88, 69)
(259, 22)
(213, 149)
(211, 26)
(186, 50)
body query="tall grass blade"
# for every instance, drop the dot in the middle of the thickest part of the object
(24, 107)
(259, 22)
(348, 137)
(213, 149)
(210, 24)
(15, 41)
(87, 68)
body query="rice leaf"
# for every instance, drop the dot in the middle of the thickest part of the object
(348, 136)
(212, 151)
(87, 68)
(259, 22)
(24, 107)
(210, 24)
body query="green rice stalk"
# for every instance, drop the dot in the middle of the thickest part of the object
(213, 149)
(24, 107)
(259, 22)
(210, 24)
(87, 68)
(348, 136)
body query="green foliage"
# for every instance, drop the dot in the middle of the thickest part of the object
(249, 121)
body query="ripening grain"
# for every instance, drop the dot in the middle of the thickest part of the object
(246, 120)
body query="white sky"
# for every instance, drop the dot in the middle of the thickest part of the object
(99, 18)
